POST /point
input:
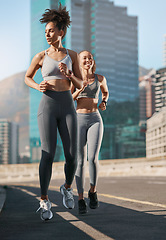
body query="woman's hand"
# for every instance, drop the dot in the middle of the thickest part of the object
(84, 86)
(43, 86)
(64, 69)
(102, 106)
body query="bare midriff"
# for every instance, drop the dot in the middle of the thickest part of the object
(87, 105)
(59, 85)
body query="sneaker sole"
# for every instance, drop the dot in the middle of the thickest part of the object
(93, 207)
(46, 219)
(82, 213)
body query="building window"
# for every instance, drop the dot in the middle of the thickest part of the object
(93, 29)
(93, 44)
(160, 130)
(93, 37)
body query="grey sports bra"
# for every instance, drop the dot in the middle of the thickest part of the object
(50, 69)
(91, 90)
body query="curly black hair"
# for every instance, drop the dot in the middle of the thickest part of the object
(60, 17)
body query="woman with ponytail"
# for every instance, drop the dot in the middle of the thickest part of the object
(60, 70)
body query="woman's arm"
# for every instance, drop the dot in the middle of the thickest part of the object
(104, 90)
(75, 76)
(35, 65)
(77, 92)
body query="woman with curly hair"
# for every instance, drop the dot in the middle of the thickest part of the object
(90, 128)
(60, 69)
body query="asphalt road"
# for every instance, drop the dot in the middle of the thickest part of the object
(131, 208)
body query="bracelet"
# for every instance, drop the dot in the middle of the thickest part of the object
(104, 102)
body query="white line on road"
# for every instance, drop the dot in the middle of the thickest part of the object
(26, 191)
(133, 200)
(92, 232)
(156, 182)
(112, 196)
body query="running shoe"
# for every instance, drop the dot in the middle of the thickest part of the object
(93, 203)
(82, 206)
(45, 207)
(68, 200)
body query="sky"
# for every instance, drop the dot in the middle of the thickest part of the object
(15, 33)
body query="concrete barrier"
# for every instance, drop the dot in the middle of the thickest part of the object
(118, 167)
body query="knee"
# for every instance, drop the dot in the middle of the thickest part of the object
(93, 159)
(46, 156)
(71, 160)
(81, 163)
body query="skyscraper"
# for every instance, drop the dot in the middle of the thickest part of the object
(102, 28)
(38, 44)
(8, 142)
(111, 35)
(164, 51)
(147, 95)
(160, 89)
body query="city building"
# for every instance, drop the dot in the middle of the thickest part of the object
(114, 43)
(147, 95)
(9, 142)
(160, 89)
(156, 135)
(130, 142)
(164, 51)
(110, 34)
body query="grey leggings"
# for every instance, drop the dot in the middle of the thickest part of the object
(57, 111)
(90, 133)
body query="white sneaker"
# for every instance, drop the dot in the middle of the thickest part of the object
(68, 200)
(45, 213)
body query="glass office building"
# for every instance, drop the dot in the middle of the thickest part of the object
(111, 35)
(9, 141)
(38, 44)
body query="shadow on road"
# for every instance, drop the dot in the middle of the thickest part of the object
(18, 220)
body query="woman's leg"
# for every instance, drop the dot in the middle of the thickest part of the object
(94, 139)
(48, 135)
(95, 134)
(81, 154)
(67, 127)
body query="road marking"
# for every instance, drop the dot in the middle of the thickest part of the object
(110, 196)
(92, 232)
(156, 182)
(133, 200)
(26, 191)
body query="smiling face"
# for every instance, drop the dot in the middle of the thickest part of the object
(52, 33)
(86, 60)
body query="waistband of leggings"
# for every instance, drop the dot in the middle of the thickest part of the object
(89, 114)
(58, 95)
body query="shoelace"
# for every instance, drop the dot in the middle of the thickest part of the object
(93, 197)
(44, 205)
(82, 204)
(68, 193)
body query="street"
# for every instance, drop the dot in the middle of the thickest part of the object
(131, 208)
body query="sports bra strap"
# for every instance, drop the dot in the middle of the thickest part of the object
(96, 77)
(66, 52)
